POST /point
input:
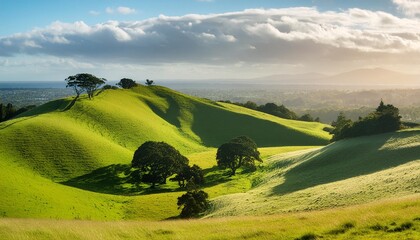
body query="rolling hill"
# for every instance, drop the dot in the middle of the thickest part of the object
(346, 172)
(62, 140)
(69, 160)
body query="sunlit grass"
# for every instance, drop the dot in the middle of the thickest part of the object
(369, 221)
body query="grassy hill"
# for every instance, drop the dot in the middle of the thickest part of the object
(62, 141)
(70, 160)
(344, 173)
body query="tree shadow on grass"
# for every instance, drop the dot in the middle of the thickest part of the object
(346, 159)
(116, 179)
(120, 179)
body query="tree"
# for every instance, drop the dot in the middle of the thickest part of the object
(84, 82)
(240, 151)
(385, 118)
(306, 117)
(194, 174)
(157, 161)
(127, 83)
(193, 202)
(149, 82)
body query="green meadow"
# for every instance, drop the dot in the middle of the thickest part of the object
(65, 170)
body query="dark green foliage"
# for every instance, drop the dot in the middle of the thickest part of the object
(9, 111)
(127, 83)
(240, 151)
(384, 119)
(274, 109)
(149, 82)
(307, 118)
(193, 203)
(279, 111)
(187, 173)
(106, 87)
(251, 105)
(84, 82)
(157, 161)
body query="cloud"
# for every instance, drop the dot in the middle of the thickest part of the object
(293, 36)
(120, 10)
(410, 8)
(94, 13)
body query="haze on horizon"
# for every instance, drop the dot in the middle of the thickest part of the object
(205, 39)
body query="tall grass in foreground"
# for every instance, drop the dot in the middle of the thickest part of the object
(388, 219)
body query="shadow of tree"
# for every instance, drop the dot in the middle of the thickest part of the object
(116, 179)
(120, 179)
(346, 159)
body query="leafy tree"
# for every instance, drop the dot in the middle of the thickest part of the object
(194, 174)
(240, 151)
(157, 161)
(193, 202)
(84, 82)
(251, 105)
(127, 83)
(306, 117)
(279, 111)
(385, 118)
(149, 82)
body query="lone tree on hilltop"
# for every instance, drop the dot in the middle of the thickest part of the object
(127, 83)
(149, 82)
(240, 151)
(84, 82)
(157, 161)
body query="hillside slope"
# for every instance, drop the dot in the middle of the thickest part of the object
(60, 141)
(343, 173)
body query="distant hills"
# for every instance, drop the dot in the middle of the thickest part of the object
(360, 77)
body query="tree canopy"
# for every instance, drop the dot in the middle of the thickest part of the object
(149, 82)
(84, 82)
(157, 161)
(193, 174)
(193, 203)
(238, 152)
(385, 118)
(127, 83)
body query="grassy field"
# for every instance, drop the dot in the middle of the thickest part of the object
(344, 173)
(88, 146)
(68, 164)
(387, 219)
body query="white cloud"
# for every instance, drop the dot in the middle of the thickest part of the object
(94, 13)
(126, 10)
(293, 36)
(120, 10)
(410, 8)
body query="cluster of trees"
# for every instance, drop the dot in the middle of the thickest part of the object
(276, 110)
(155, 162)
(8, 111)
(385, 118)
(86, 82)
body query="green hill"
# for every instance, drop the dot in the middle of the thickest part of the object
(343, 173)
(62, 140)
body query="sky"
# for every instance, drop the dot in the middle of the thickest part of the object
(205, 39)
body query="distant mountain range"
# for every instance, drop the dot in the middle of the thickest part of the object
(359, 77)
